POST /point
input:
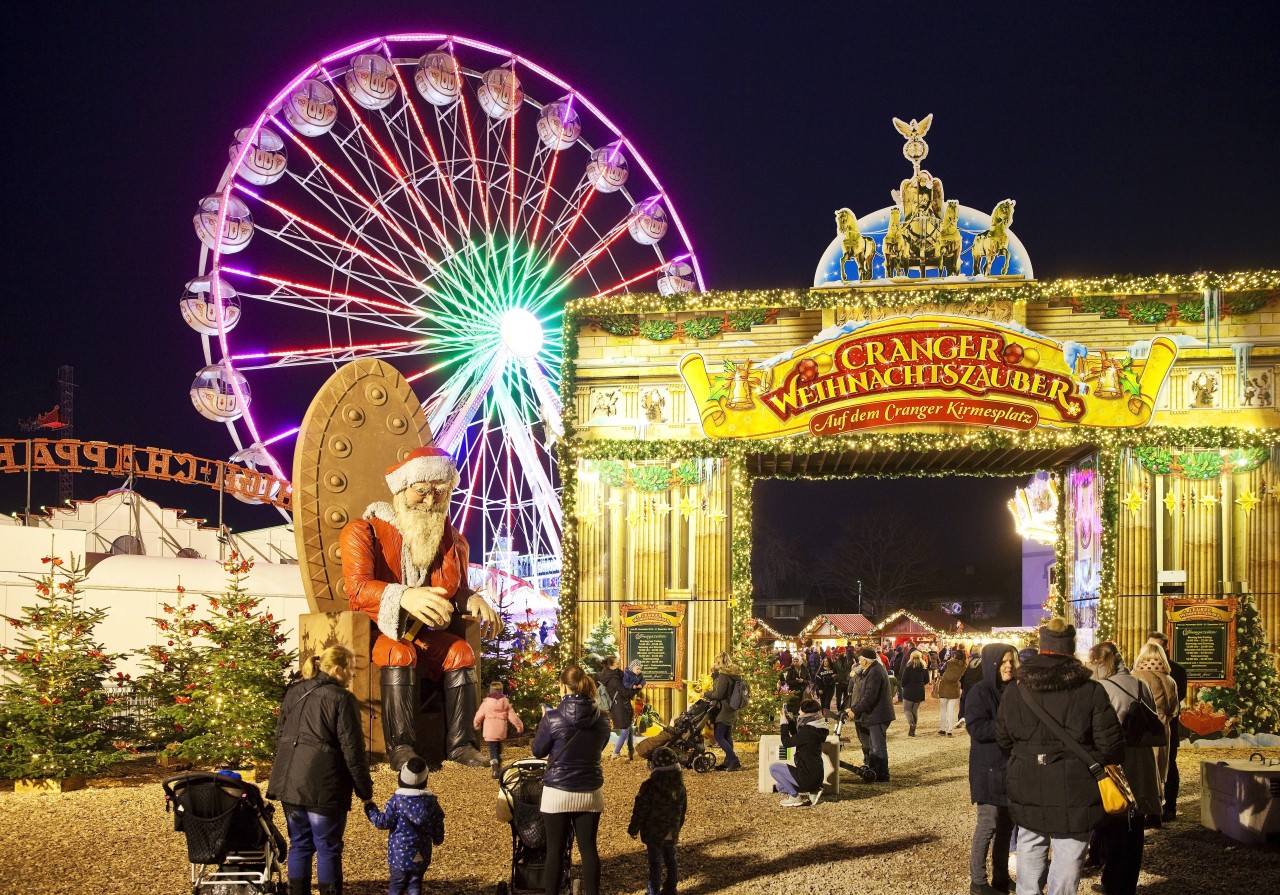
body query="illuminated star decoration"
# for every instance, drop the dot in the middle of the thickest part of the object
(687, 507)
(1247, 501)
(1171, 501)
(590, 515)
(633, 516)
(1133, 501)
(1208, 500)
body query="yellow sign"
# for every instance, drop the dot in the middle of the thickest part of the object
(926, 370)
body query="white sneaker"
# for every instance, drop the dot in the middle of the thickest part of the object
(793, 802)
(814, 797)
(614, 756)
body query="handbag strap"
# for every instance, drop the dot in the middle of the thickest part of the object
(1072, 746)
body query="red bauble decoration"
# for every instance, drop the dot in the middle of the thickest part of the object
(1013, 353)
(808, 369)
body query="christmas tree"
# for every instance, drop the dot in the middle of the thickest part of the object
(535, 677)
(497, 648)
(226, 712)
(1255, 699)
(760, 673)
(600, 644)
(55, 716)
(171, 667)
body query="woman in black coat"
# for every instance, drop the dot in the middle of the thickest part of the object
(802, 783)
(570, 737)
(987, 771)
(621, 711)
(320, 760)
(915, 676)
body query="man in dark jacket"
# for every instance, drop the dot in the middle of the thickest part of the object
(1053, 796)
(873, 710)
(987, 772)
(1172, 780)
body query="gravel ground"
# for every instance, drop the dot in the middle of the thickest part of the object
(114, 838)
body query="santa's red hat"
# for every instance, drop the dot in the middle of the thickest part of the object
(424, 464)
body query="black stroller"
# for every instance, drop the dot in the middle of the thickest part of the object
(232, 843)
(683, 736)
(520, 805)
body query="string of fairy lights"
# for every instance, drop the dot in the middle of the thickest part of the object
(1109, 446)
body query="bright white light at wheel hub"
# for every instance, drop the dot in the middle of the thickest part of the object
(521, 332)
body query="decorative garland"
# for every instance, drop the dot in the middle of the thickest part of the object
(699, 328)
(1200, 464)
(1244, 292)
(648, 478)
(1154, 311)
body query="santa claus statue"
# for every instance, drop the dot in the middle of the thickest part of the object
(405, 566)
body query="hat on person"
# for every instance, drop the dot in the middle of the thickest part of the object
(664, 757)
(867, 653)
(1058, 637)
(414, 773)
(423, 464)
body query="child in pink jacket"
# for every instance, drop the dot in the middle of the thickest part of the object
(495, 711)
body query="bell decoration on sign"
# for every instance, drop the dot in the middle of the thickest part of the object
(1108, 378)
(740, 388)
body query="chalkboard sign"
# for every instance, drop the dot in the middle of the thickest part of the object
(655, 635)
(1202, 639)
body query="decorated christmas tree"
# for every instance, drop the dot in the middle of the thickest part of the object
(226, 711)
(760, 674)
(1255, 699)
(171, 668)
(600, 643)
(55, 715)
(535, 677)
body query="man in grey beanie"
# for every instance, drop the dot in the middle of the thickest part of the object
(873, 711)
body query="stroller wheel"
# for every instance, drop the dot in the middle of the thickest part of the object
(503, 888)
(704, 762)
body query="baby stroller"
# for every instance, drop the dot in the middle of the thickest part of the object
(520, 805)
(684, 737)
(232, 844)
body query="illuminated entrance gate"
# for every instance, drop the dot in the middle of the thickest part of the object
(1162, 434)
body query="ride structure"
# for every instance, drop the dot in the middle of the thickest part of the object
(408, 199)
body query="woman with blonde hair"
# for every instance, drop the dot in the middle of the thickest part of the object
(570, 737)
(1152, 668)
(725, 675)
(915, 674)
(1118, 841)
(320, 760)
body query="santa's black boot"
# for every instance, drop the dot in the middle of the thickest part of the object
(399, 714)
(459, 714)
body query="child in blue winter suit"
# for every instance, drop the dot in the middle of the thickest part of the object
(415, 820)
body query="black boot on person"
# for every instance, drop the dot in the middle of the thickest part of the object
(459, 712)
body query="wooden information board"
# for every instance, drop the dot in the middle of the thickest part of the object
(1202, 638)
(655, 635)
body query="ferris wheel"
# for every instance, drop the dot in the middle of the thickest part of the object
(408, 198)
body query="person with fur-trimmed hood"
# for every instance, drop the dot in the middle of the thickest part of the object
(1053, 796)
(801, 783)
(987, 772)
(405, 567)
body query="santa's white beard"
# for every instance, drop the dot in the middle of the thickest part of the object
(422, 526)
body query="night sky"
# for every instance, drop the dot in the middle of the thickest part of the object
(1136, 139)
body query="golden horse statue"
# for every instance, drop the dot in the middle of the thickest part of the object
(897, 253)
(858, 248)
(949, 241)
(993, 242)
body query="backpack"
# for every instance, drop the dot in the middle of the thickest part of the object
(604, 701)
(739, 695)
